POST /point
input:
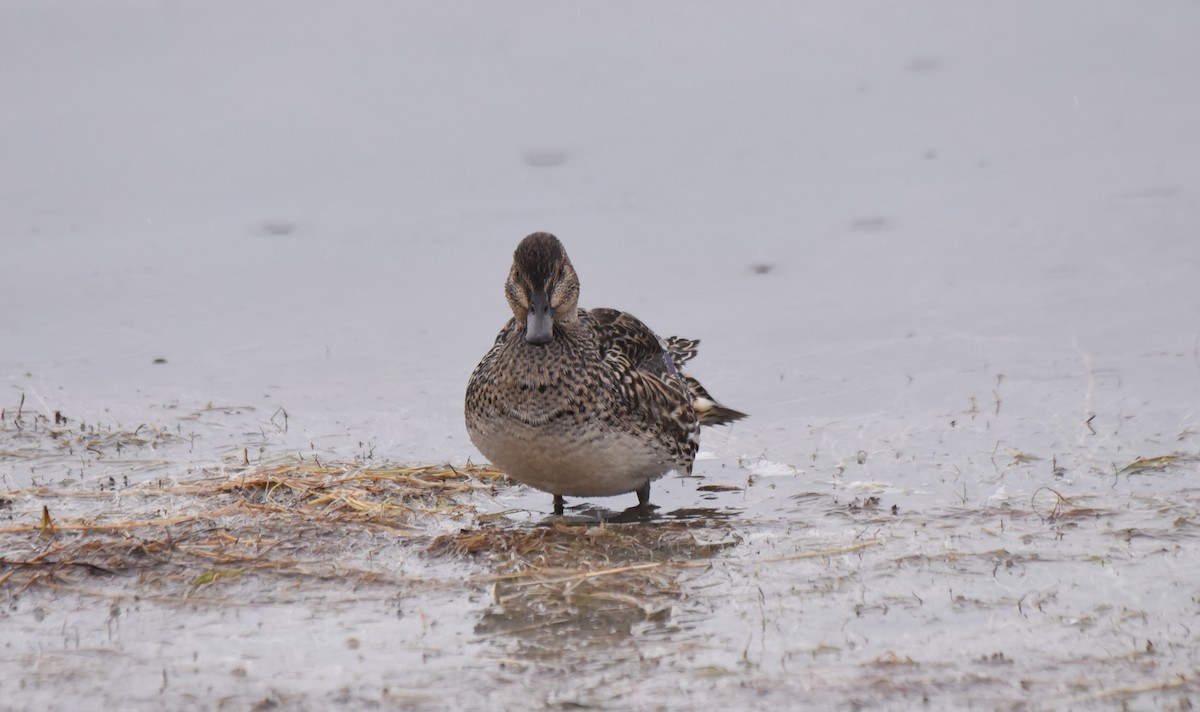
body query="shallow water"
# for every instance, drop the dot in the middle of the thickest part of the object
(952, 278)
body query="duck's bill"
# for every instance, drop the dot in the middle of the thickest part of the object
(539, 324)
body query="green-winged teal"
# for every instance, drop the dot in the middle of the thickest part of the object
(583, 403)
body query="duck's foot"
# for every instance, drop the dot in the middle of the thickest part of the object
(637, 513)
(643, 509)
(640, 512)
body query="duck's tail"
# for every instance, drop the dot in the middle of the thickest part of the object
(708, 410)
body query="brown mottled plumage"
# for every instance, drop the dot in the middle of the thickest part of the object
(583, 403)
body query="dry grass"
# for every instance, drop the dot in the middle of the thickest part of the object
(224, 537)
(290, 518)
(1163, 463)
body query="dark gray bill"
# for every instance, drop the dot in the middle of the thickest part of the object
(539, 325)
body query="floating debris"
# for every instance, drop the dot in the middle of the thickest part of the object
(1143, 465)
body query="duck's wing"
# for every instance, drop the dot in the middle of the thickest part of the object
(625, 337)
(630, 344)
(647, 373)
(650, 387)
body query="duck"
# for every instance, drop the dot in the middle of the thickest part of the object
(583, 403)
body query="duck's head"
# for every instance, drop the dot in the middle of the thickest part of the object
(542, 287)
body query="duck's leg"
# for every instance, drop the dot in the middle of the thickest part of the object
(558, 504)
(643, 494)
